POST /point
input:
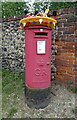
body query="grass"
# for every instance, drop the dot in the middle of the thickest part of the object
(72, 89)
(12, 112)
(12, 87)
(12, 82)
(74, 110)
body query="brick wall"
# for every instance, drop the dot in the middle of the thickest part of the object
(66, 41)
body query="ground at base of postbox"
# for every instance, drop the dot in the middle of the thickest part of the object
(61, 106)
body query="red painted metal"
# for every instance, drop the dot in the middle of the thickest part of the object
(38, 64)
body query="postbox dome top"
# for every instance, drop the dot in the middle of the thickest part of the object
(38, 20)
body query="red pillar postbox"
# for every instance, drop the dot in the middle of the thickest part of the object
(38, 42)
(38, 56)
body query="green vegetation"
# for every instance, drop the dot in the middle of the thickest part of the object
(54, 5)
(73, 89)
(12, 82)
(13, 8)
(74, 110)
(12, 88)
(17, 8)
(12, 112)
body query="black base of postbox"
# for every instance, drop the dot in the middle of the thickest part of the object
(38, 98)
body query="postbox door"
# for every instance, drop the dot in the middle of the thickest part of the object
(38, 59)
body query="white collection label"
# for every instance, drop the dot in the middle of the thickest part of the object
(41, 47)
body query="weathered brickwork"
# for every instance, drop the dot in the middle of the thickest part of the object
(64, 46)
(66, 41)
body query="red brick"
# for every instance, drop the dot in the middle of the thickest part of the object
(71, 61)
(70, 72)
(59, 57)
(76, 78)
(58, 39)
(60, 47)
(70, 58)
(61, 62)
(66, 68)
(71, 50)
(59, 43)
(75, 62)
(58, 80)
(68, 47)
(75, 66)
(67, 54)
(72, 28)
(61, 50)
(62, 71)
(76, 32)
(70, 43)
(67, 77)
(64, 79)
(75, 73)
(68, 39)
(74, 69)
(76, 54)
(65, 64)
(59, 76)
